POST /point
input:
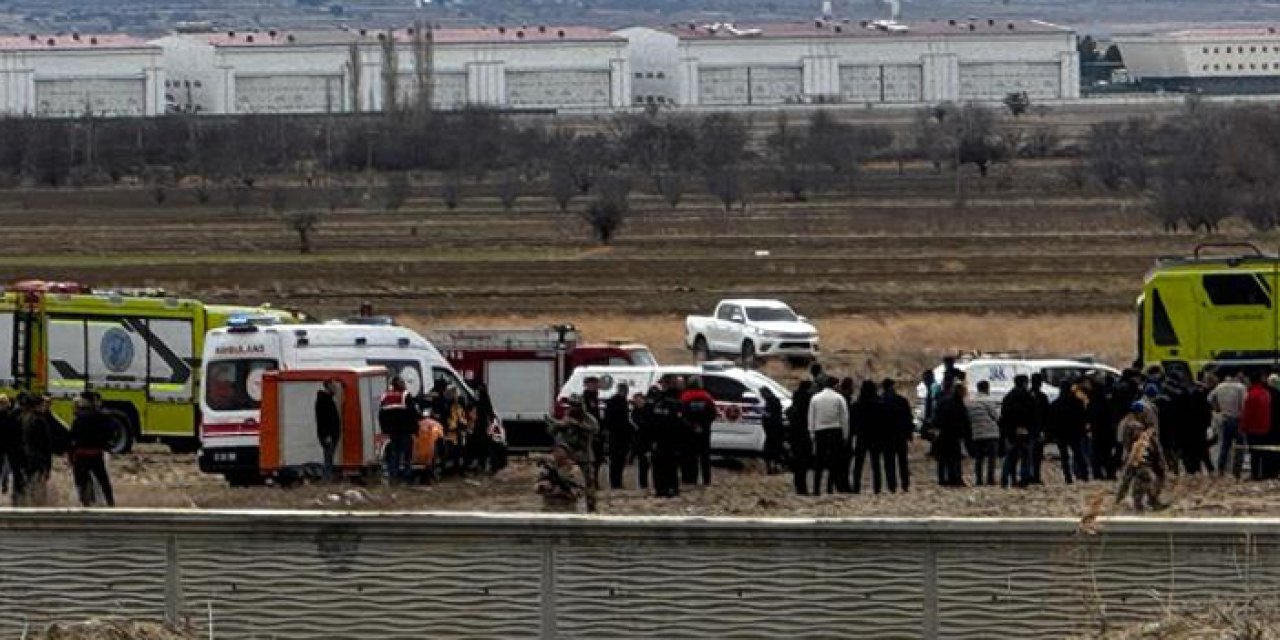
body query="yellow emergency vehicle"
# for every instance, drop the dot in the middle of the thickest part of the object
(139, 350)
(1215, 307)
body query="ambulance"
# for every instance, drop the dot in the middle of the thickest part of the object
(237, 357)
(139, 349)
(1215, 307)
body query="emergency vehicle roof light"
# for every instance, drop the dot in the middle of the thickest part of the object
(240, 324)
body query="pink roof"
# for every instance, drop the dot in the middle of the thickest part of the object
(450, 35)
(71, 41)
(856, 29)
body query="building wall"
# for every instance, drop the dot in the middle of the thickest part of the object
(654, 57)
(858, 69)
(298, 78)
(1155, 57)
(76, 82)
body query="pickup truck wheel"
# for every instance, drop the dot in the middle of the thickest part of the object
(701, 352)
(748, 355)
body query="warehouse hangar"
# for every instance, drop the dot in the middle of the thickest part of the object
(566, 68)
(1235, 60)
(845, 61)
(73, 75)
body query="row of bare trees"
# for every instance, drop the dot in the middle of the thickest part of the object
(1196, 169)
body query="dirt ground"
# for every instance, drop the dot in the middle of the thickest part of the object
(152, 478)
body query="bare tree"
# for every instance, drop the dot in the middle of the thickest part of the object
(396, 192)
(608, 210)
(722, 145)
(510, 185)
(1191, 185)
(789, 156)
(390, 72)
(354, 73)
(424, 61)
(1118, 153)
(303, 223)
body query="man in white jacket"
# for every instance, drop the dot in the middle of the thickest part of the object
(829, 428)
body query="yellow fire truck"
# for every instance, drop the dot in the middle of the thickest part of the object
(1215, 307)
(139, 350)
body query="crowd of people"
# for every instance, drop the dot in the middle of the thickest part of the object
(469, 439)
(31, 438)
(1133, 429)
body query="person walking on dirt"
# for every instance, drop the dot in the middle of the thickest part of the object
(774, 431)
(592, 405)
(866, 436)
(1036, 437)
(1017, 413)
(668, 428)
(1143, 475)
(12, 461)
(90, 438)
(328, 424)
(828, 422)
(899, 426)
(838, 481)
(799, 438)
(40, 438)
(399, 422)
(1227, 399)
(699, 410)
(954, 429)
(1067, 420)
(620, 432)
(1255, 424)
(575, 435)
(642, 442)
(984, 424)
(480, 445)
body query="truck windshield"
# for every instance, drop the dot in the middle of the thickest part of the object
(770, 314)
(236, 385)
(643, 358)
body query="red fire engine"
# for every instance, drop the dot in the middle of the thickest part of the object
(525, 368)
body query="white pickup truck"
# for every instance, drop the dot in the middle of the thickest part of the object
(752, 330)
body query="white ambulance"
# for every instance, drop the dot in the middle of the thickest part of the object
(237, 356)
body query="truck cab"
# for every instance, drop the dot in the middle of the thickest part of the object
(523, 367)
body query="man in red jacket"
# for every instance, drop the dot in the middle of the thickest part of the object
(1255, 422)
(699, 410)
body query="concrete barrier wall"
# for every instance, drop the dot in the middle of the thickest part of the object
(325, 575)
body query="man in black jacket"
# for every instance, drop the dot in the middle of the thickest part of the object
(90, 438)
(1017, 417)
(1037, 438)
(39, 441)
(798, 437)
(328, 424)
(12, 459)
(1066, 424)
(954, 429)
(899, 428)
(667, 427)
(619, 432)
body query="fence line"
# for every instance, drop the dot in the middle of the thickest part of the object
(388, 575)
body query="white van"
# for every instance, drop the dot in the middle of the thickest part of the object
(737, 429)
(1000, 372)
(236, 357)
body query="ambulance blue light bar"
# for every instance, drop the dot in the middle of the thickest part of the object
(241, 324)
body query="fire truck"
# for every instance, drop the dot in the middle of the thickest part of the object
(524, 368)
(139, 349)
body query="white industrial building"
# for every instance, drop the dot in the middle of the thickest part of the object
(1221, 60)
(538, 67)
(72, 75)
(842, 61)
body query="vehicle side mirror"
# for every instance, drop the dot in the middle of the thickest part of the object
(802, 318)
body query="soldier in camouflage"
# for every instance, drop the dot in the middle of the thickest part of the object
(1143, 460)
(575, 438)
